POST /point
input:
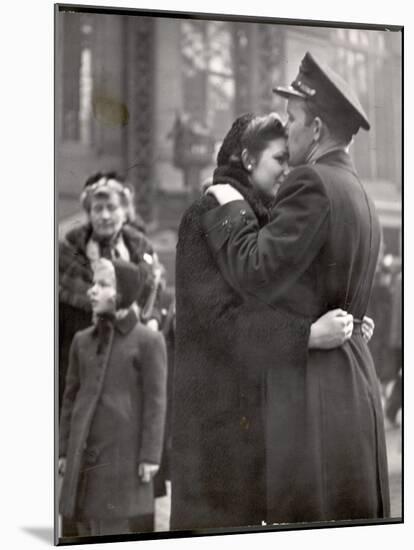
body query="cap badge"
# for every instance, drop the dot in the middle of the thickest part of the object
(305, 89)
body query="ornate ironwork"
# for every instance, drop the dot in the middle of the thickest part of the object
(140, 88)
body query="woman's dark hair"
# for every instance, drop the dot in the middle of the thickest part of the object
(232, 143)
(260, 131)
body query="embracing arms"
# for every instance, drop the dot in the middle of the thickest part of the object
(267, 261)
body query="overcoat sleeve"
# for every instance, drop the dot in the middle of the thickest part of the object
(264, 261)
(71, 389)
(154, 376)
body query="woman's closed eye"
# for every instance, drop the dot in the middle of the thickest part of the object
(282, 158)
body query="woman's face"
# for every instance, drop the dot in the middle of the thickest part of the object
(269, 167)
(107, 214)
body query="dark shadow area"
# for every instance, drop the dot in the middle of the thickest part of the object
(42, 533)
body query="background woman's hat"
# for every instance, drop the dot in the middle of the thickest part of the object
(320, 84)
(104, 184)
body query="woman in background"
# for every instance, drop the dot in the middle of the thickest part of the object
(106, 201)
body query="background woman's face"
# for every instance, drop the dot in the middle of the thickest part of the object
(107, 214)
(270, 166)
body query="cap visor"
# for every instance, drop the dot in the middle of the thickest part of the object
(288, 91)
(365, 124)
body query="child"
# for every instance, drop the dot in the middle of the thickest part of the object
(113, 411)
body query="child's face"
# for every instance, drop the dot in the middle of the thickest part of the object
(103, 292)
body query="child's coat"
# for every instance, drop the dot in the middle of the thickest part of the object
(121, 394)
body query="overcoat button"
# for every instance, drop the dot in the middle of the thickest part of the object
(91, 456)
(243, 212)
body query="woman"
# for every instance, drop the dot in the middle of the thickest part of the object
(107, 233)
(225, 347)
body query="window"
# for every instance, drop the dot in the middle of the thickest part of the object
(358, 60)
(77, 78)
(208, 75)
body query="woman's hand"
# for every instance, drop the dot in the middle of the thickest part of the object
(368, 327)
(331, 330)
(224, 193)
(147, 471)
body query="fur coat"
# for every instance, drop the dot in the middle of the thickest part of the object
(225, 346)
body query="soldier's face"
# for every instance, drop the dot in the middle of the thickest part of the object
(300, 136)
(269, 167)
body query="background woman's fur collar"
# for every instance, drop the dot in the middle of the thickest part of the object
(75, 272)
(79, 236)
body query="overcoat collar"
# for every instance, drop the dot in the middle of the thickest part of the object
(338, 158)
(122, 324)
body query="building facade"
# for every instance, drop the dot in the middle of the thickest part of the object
(123, 79)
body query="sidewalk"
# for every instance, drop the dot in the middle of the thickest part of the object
(394, 449)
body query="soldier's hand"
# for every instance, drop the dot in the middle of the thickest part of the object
(224, 193)
(147, 471)
(368, 327)
(331, 330)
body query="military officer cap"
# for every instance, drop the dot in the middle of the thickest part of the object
(319, 84)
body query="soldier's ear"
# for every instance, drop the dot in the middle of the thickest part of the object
(317, 129)
(247, 161)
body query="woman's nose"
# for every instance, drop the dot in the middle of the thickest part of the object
(91, 290)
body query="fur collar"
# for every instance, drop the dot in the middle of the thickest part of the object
(79, 237)
(238, 178)
(75, 272)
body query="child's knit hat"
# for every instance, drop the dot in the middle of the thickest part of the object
(129, 281)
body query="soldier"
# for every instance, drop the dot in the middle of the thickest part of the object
(326, 452)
